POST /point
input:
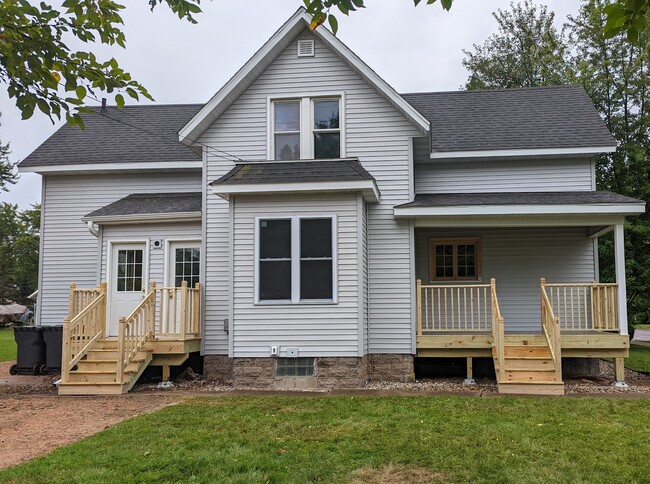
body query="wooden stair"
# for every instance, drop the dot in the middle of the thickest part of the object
(96, 373)
(528, 369)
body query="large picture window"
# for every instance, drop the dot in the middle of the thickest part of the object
(306, 128)
(296, 259)
(454, 259)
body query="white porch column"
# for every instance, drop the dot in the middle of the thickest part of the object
(619, 260)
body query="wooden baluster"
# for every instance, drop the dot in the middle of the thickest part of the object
(183, 308)
(152, 310)
(66, 356)
(418, 285)
(439, 308)
(471, 295)
(71, 302)
(121, 348)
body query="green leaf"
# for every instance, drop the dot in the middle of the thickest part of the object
(81, 92)
(119, 100)
(334, 24)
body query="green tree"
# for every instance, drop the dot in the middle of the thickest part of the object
(526, 51)
(19, 248)
(7, 174)
(41, 70)
(623, 16)
(615, 74)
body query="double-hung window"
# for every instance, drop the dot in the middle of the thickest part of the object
(296, 259)
(306, 128)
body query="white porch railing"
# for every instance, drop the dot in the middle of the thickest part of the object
(584, 306)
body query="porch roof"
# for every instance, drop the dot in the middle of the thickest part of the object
(154, 207)
(301, 176)
(520, 203)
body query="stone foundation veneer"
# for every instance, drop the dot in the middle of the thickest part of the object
(329, 372)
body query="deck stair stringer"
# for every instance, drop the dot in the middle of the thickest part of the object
(529, 367)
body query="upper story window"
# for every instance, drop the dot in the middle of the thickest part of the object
(454, 259)
(306, 128)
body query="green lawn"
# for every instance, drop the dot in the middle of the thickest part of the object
(346, 439)
(7, 344)
(639, 359)
(645, 327)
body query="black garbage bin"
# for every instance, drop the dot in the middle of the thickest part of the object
(30, 352)
(53, 337)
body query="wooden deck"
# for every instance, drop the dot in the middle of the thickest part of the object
(163, 330)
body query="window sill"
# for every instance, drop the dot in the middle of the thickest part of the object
(307, 302)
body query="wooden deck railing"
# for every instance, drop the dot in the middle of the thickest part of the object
(454, 308)
(135, 330)
(498, 331)
(584, 306)
(179, 311)
(83, 327)
(80, 298)
(551, 330)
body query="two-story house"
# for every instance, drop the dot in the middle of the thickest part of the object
(310, 226)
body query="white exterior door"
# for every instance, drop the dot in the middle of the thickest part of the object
(127, 281)
(184, 263)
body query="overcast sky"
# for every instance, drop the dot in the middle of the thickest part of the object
(413, 49)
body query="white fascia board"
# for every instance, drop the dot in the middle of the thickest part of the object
(223, 98)
(367, 187)
(520, 221)
(104, 167)
(522, 210)
(144, 218)
(594, 150)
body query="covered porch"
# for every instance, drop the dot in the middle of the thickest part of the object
(515, 277)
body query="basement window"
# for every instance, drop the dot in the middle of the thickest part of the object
(294, 367)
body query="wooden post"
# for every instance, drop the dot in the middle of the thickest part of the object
(183, 309)
(102, 311)
(196, 329)
(469, 380)
(619, 371)
(419, 306)
(152, 310)
(121, 335)
(71, 302)
(65, 356)
(165, 373)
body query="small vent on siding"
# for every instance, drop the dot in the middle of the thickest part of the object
(306, 48)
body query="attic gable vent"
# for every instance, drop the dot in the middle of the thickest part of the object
(306, 48)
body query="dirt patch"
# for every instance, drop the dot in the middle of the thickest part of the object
(32, 425)
(395, 474)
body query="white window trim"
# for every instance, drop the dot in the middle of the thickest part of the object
(306, 122)
(295, 261)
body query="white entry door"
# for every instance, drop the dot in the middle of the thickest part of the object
(184, 263)
(127, 282)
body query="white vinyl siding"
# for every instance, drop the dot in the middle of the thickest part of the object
(156, 256)
(70, 252)
(548, 175)
(375, 132)
(315, 328)
(517, 258)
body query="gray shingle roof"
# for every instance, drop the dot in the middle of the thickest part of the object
(295, 172)
(150, 203)
(107, 139)
(517, 198)
(507, 119)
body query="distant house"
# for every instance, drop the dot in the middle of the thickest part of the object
(310, 226)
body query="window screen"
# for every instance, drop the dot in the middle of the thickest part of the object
(275, 259)
(316, 258)
(327, 134)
